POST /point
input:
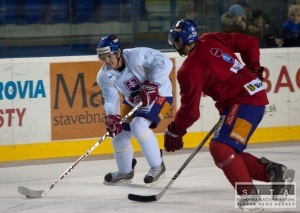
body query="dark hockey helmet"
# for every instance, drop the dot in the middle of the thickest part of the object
(108, 44)
(185, 29)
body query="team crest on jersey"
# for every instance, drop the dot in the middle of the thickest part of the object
(132, 84)
(227, 58)
(216, 52)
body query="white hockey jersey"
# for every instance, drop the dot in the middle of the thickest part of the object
(142, 64)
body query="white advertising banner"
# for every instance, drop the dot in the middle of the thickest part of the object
(25, 103)
(283, 86)
(27, 115)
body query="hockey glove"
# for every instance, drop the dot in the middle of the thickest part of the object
(259, 73)
(173, 138)
(135, 97)
(149, 92)
(112, 125)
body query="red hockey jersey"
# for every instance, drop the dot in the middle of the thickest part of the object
(213, 68)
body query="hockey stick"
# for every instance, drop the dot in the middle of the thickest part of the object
(39, 194)
(149, 198)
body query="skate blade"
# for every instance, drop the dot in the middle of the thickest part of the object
(288, 177)
(252, 209)
(148, 185)
(119, 183)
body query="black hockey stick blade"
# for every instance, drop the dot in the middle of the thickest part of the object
(140, 198)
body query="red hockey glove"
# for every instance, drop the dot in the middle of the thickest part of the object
(135, 97)
(112, 125)
(173, 138)
(259, 73)
(149, 92)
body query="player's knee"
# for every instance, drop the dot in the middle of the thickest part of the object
(140, 128)
(222, 154)
(121, 141)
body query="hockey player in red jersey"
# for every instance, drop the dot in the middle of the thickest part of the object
(211, 67)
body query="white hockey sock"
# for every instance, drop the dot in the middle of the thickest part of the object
(123, 151)
(147, 140)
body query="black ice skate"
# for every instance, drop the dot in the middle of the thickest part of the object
(155, 175)
(117, 178)
(279, 173)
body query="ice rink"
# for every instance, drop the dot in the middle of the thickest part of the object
(201, 187)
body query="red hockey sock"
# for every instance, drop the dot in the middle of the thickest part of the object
(231, 163)
(256, 169)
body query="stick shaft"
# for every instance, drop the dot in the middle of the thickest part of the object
(38, 194)
(149, 198)
(91, 149)
(188, 161)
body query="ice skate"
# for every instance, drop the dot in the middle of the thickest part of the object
(155, 175)
(254, 208)
(279, 173)
(116, 178)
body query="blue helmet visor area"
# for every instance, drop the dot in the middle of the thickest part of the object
(172, 38)
(174, 35)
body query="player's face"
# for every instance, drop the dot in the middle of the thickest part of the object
(110, 60)
(179, 46)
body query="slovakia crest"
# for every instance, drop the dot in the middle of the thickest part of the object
(132, 84)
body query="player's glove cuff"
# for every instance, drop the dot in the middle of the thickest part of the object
(149, 92)
(259, 73)
(173, 138)
(112, 124)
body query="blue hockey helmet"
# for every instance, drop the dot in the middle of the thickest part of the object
(107, 44)
(185, 29)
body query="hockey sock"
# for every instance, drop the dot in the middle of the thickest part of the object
(123, 151)
(147, 140)
(256, 169)
(230, 162)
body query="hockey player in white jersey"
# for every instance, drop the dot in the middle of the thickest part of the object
(139, 74)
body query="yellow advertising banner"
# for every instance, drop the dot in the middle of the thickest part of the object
(77, 104)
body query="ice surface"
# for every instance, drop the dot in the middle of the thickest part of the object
(201, 187)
